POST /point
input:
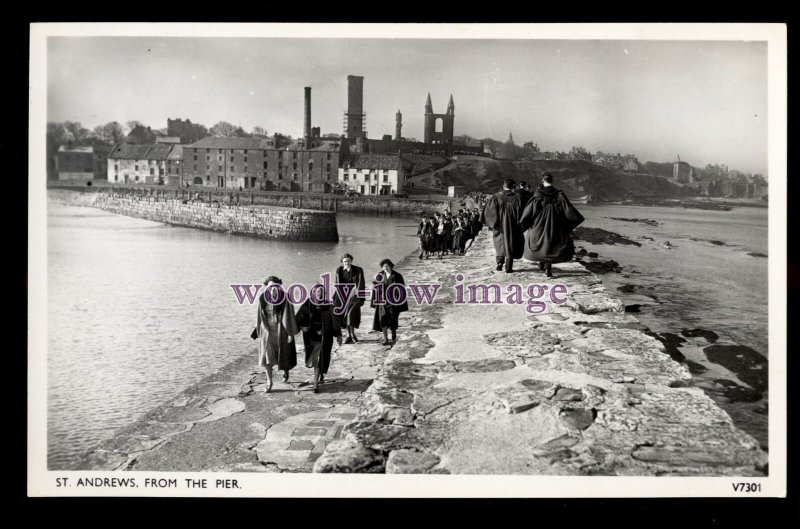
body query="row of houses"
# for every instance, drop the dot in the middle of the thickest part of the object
(238, 163)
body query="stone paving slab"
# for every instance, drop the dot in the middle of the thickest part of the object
(493, 389)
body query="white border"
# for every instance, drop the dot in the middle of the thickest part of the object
(43, 483)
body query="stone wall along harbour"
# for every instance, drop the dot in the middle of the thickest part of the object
(255, 221)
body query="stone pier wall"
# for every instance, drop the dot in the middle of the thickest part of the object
(262, 222)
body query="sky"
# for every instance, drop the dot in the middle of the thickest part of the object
(705, 101)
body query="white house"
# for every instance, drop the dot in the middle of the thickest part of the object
(372, 174)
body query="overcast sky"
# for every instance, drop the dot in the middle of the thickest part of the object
(705, 101)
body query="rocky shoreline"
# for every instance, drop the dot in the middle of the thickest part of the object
(579, 390)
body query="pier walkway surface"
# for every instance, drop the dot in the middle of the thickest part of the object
(467, 389)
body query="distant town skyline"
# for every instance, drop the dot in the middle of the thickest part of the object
(705, 101)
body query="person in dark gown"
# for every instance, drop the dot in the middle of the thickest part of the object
(460, 235)
(425, 234)
(387, 315)
(549, 219)
(502, 213)
(354, 275)
(275, 329)
(320, 326)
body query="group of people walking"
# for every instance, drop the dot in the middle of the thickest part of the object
(444, 233)
(534, 225)
(321, 320)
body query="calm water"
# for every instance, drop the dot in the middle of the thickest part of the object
(695, 284)
(140, 310)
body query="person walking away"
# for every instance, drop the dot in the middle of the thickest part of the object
(348, 273)
(320, 326)
(502, 213)
(276, 327)
(424, 235)
(387, 315)
(549, 219)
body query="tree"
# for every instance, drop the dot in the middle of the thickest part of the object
(223, 129)
(111, 132)
(142, 135)
(259, 132)
(133, 124)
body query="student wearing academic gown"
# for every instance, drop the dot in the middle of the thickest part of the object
(501, 214)
(275, 329)
(549, 219)
(320, 326)
(525, 193)
(387, 315)
(460, 235)
(354, 275)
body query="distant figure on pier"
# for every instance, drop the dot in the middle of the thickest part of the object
(425, 234)
(387, 315)
(549, 219)
(502, 213)
(320, 326)
(354, 275)
(276, 327)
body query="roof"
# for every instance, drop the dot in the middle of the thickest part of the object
(132, 151)
(216, 142)
(323, 145)
(374, 161)
(176, 153)
(76, 149)
(168, 139)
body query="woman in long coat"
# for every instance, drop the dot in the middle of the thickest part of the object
(348, 273)
(275, 329)
(320, 327)
(387, 315)
(549, 219)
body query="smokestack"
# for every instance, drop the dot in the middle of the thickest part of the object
(307, 117)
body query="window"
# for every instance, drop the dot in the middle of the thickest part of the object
(195, 157)
(309, 186)
(245, 158)
(385, 177)
(116, 167)
(116, 178)
(208, 167)
(137, 178)
(329, 156)
(294, 166)
(329, 177)
(295, 176)
(310, 165)
(233, 168)
(220, 168)
(280, 176)
(135, 167)
(152, 172)
(220, 158)
(195, 167)
(231, 159)
(346, 177)
(265, 164)
(245, 151)
(329, 167)
(294, 154)
(208, 158)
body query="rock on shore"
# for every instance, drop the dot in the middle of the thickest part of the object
(492, 389)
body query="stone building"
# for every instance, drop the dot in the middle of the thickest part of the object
(130, 163)
(175, 166)
(682, 172)
(372, 174)
(252, 163)
(81, 163)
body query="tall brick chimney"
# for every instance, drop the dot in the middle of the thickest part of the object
(307, 117)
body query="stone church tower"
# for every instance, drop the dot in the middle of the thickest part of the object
(442, 122)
